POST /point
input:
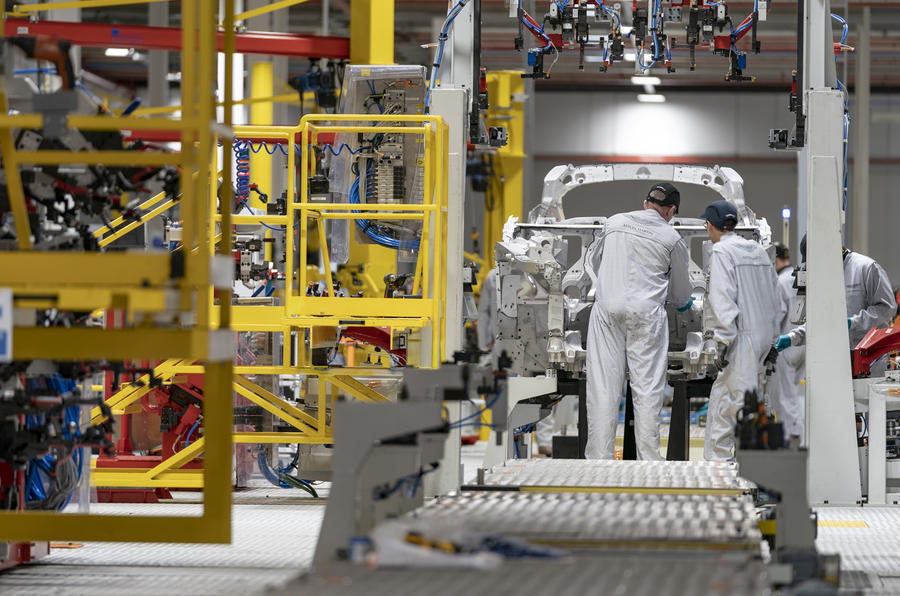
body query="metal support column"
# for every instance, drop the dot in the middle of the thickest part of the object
(833, 462)
(372, 31)
(158, 60)
(862, 126)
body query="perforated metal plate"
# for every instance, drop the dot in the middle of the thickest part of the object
(698, 475)
(635, 575)
(597, 519)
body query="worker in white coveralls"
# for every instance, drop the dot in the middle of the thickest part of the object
(746, 308)
(643, 263)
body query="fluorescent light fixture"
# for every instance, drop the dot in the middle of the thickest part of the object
(651, 98)
(636, 80)
(786, 213)
(118, 52)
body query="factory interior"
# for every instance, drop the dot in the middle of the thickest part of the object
(616, 315)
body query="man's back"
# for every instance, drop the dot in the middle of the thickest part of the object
(743, 277)
(867, 289)
(637, 254)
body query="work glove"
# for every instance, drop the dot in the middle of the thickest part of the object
(783, 342)
(687, 305)
(771, 357)
(849, 322)
(721, 351)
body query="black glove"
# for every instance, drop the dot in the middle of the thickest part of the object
(771, 357)
(721, 351)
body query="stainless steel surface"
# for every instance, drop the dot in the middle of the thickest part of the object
(699, 475)
(597, 519)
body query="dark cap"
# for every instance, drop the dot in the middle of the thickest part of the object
(721, 214)
(665, 194)
(782, 252)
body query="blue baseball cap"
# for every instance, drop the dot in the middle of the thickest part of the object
(721, 214)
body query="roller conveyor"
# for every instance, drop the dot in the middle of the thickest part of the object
(660, 521)
(555, 475)
(650, 574)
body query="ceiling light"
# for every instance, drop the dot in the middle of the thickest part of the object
(118, 52)
(645, 80)
(651, 98)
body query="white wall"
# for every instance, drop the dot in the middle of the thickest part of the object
(709, 127)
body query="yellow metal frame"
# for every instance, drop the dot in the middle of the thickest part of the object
(429, 276)
(118, 275)
(506, 89)
(299, 312)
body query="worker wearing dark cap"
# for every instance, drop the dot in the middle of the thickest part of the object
(641, 263)
(782, 258)
(870, 300)
(746, 308)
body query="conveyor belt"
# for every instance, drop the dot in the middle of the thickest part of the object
(588, 520)
(649, 574)
(558, 475)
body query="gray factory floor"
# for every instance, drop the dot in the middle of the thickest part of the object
(275, 532)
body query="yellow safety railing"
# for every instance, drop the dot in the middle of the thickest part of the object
(415, 312)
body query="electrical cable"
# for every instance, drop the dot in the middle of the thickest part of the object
(461, 422)
(187, 440)
(282, 479)
(372, 231)
(439, 54)
(265, 225)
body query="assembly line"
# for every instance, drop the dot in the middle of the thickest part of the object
(326, 297)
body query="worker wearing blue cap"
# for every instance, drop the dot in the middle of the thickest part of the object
(746, 308)
(641, 263)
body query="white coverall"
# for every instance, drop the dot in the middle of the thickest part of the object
(746, 307)
(870, 300)
(487, 311)
(642, 261)
(787, 394)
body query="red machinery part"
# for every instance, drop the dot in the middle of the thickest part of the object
(17, 552)
(375, 336)
(875, 344)
(105, 35)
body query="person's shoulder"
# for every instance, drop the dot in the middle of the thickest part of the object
(861, 259)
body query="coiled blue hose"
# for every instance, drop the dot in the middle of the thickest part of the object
(242, 167)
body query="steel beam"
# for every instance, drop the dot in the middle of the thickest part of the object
(104, 35)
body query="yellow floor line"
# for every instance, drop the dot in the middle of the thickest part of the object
(842, 523)
(695, 442)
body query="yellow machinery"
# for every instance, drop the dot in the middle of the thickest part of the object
(301, 315)
(141, 285)
(503, 198)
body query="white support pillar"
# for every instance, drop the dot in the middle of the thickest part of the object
(859, 200)
(802, 193)
(833, 468)
(451, 105)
